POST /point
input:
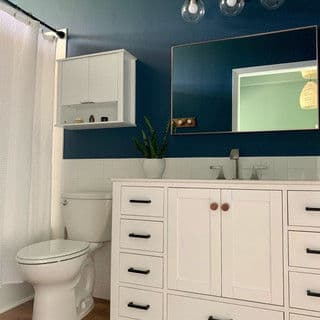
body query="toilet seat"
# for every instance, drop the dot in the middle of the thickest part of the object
(52, 251)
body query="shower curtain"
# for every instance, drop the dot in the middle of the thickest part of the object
(27, 66)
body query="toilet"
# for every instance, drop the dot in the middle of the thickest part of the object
(62, 271)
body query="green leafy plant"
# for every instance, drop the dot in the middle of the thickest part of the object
(152, 146)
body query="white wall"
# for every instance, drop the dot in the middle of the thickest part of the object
(13, 295)
(96, 175)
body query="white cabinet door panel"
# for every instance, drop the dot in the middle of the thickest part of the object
(194, 255)
(182, 308)
(103, 78)
(252, 262)
(74, 82)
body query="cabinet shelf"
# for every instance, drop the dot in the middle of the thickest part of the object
(95, 125)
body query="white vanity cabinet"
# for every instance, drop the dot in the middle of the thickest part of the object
(240, 230)
(215, 250)
(102, 85)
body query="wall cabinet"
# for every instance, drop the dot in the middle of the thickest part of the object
(102, 85)
(215, 250)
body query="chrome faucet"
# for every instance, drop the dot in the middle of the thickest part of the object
(235, 155)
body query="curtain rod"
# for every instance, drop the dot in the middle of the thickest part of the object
(60, 34)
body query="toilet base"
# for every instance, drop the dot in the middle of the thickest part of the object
(52, 302)
(85, 307)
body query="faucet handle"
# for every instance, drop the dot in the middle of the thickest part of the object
(221, 175)
(255, 172)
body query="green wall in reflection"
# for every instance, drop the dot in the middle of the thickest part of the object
(272, 103)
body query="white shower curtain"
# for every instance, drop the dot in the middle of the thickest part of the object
(27, 64)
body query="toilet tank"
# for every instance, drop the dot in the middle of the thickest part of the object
(87, 216)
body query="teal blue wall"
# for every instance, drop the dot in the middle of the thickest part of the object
(148, 29)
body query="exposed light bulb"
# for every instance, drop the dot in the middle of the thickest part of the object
(231, 7)
(193, 10)
(193, 7)
(231, 3)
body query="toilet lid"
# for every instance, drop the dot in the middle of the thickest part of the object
(52, 251)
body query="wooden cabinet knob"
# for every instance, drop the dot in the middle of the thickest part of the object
(225, 207)
(214, 206)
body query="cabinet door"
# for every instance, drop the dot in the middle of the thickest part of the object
(74, 81)
(104, 78)
(194, 255)
(252, 264)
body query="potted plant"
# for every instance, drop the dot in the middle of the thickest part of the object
(153, 149)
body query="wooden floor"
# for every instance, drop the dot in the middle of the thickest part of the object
(24, 312)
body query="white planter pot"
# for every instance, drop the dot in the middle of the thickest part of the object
(154, 168)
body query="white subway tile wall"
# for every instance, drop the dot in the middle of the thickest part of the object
(96, 174)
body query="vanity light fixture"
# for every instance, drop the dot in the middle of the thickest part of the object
(193, 10)
(234, 7)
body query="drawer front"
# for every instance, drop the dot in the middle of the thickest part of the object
(140, 304)
(143, 270)
(305, 291)
(301, 317)
(141, 235)
(304, 249)
(182, 308)
(139, 201)
(304, 208)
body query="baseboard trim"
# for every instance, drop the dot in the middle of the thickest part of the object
(17, 304)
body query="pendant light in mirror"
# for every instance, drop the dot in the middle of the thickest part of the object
(272, 4)
(193, 10)
(231, 7)
(309, 93)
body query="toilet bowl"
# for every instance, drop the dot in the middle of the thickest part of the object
(53, 268)
(62, 271)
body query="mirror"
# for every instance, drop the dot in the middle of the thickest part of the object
(266, 82)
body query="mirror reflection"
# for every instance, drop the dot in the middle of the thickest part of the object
(265, 82)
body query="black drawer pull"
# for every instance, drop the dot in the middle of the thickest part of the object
(313, 294)
(312, 251)
(140, 201)
(140, 236)
(212, 318)
(138, 306)
(133, 270)
(312, 209)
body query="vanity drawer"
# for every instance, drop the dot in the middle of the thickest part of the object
(304, 208)
(182, 308)
(140, 304)
(301, 317)
(142, 270)
(305, 291)
(304, 249)
(141, 235)
(141, 201)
